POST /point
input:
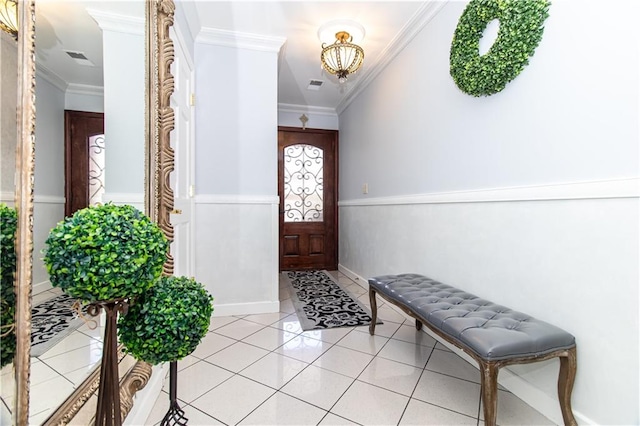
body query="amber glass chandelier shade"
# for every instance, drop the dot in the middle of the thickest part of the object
(342, 57)
(9, 17)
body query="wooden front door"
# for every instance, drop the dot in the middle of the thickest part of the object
(308, 190)
(82, 130)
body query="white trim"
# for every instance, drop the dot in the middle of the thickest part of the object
(236, 199)
(84, 89)
(118, 23)
(418, 21)
(618, 188)
(47, 199)
(245, 308)
(361, 281)
(7, 197)
(41, 287)
(240, 40)
(145, 399)
(307, 109)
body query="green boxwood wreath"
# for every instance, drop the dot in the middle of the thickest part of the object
(168, 321)
(105, 252)
(520, 32)
(8, 227)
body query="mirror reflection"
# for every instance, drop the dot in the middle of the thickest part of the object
(90, 133)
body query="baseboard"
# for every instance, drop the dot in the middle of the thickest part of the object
(245, 308)
(41, 287)
(146, 398)
(515, 384)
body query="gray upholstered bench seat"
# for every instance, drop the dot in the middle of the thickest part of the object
(492, 334)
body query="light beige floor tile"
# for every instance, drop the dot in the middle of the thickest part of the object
(514, 411)
(233, 400)
(159, 409)
(274, 370)
(75, 359)
(451, 364)
(289, 323)
(198, 418)
(449, 392)
(42, 398)
(409, 334)
(304, 348)
(391, 375)
(407, 353)
(386, 329)
(283, 409)
(286, 306)
(266, 319)
(270, 338)
(385, 313)
(343, 361)
(318, 386)
(329, 335)
(332, 420)
(217, 322)
(93, 329)
(420, 413)
(237, 356)
(211, 343)
(370, 405)
(41, 372)
(73, 341)
(239, 329)
(186, 362)
(192, 382)
(363, 342)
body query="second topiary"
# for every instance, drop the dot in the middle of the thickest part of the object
(168, 321)
(8, 226)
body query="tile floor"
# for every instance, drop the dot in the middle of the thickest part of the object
(264, 370)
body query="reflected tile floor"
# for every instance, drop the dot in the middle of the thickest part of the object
(264, 370)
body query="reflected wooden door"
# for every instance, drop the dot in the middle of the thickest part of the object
(308, 191)
(82, 133)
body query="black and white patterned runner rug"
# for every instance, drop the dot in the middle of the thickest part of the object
(51, 321)
(321, 302)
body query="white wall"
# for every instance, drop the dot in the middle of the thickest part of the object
(8, 116)
(48, 207)
(236, 217)
(571, 116)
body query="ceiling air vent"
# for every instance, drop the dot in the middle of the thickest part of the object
(315, 84)
(79, 58)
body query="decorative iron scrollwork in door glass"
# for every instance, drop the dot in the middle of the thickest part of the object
(96, 169)
(303, 183)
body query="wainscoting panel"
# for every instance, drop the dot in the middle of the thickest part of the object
(558, 260)
(237, 252)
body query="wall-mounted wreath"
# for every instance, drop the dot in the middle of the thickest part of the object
(521, 28)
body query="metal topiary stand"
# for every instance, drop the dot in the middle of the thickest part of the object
(175, 415)
(108, 412)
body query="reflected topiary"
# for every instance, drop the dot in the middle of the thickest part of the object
(8, 227)
(168, 321)
(105, 252)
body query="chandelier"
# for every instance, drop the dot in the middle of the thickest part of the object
(9, 17)
(342, 57)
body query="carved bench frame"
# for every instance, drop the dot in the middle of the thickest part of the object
(489, 368)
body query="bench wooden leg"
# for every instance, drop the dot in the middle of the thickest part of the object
(418, 325)
(374, 310)
(489, 391)
(568, 367)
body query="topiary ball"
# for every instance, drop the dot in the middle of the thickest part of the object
(168, 321)
(105, 252)
(8, 227)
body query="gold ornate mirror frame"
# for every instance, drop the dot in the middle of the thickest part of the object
(159, 118)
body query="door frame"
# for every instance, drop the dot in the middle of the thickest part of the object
(332, 233)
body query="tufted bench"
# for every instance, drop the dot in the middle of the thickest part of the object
(493, 335)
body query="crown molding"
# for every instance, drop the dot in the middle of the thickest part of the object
(118, 23)
(51, 77)
(418, 21)
(307, 109)
(240, 40)
(85, 89)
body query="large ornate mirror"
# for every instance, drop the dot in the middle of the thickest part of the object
(137, 118)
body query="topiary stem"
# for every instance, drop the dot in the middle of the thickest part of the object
(175, 415)
(108, 411)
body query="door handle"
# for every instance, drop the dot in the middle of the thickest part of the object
(176, 211)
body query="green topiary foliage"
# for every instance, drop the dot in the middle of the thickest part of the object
(105, 252)
(168, 321)
(8, 227)
(521, 28)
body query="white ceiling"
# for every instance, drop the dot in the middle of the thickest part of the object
(66, 25)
